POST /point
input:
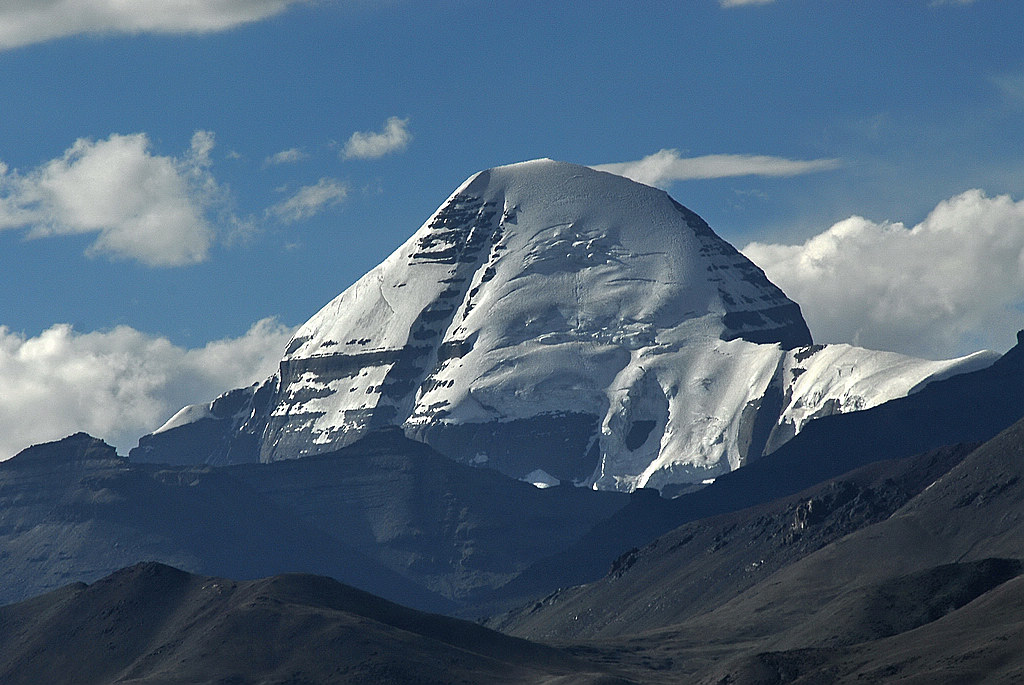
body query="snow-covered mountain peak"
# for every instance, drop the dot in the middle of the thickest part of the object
(552, 318)
(555, 250)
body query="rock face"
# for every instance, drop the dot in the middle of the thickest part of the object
(79, 448)
(549, 317)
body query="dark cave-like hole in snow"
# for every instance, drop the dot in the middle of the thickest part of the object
(638, 432)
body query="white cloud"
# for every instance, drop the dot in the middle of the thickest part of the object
(310, 200)
(23, 22)
(949, 285)
(666, 166)
(118, 384)
(142, 206)
(740, 3)
(289, 156)
(368, 145)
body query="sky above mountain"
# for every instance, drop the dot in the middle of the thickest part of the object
(182, 182)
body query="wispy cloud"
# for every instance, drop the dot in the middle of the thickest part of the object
(23, 22)
(741, 3)
(142, 206)
(289, 156)
(667, 166)
(310, 200)
(118, 384)
(368, 145)
(1011, 87)
(949, 285)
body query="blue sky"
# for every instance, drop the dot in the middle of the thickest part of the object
(186, 180)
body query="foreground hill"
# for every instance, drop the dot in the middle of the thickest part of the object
(979, 643)
(155, 624)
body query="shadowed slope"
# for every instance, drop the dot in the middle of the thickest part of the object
(73, 510)
(154, 624)
(981, 642)
(870, 604)
(457, 530)
(706, 563)
(386, 514)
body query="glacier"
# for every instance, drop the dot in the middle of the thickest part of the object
(553, 319)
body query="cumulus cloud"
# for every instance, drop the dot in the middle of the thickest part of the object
(141, 206)
(369, 145)
(23, 22)
(310, 200)
(667, 166)
(952, 284)
(289, 156)
(118, 384)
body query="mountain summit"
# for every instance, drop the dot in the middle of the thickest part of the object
(556, 323)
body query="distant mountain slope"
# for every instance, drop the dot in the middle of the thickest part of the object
(554, 320)
(387, 514)
(976, 511)
(459, 531)
(72, 510)
(155, 624)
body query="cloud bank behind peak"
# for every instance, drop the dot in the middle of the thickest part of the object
(952, 284)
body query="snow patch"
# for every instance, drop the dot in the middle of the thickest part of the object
(540, 478)
(187, 415)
